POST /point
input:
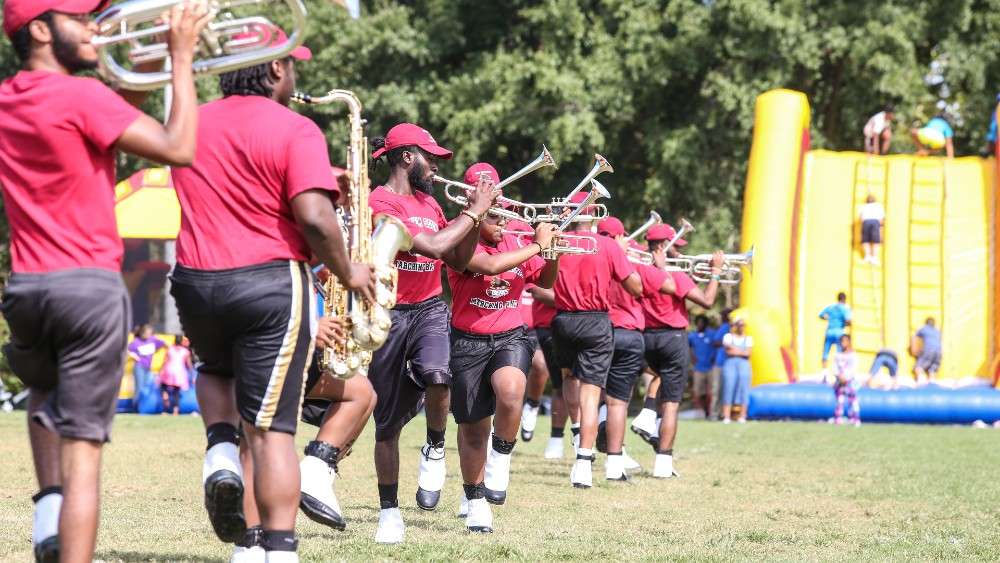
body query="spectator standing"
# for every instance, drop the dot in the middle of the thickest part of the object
(845, 363)
(878, 131)
(929, 356)
(720, 359)
(142, 349)
(934, 136)
(174, 375)
(703, 357)
(838, 318)
(872, 219)
(736, 371)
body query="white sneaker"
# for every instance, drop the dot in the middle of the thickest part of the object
(554, 449)
(390, 526)
(463, 506)
(318, 500)
(253, 554)
(281, 557)
(45, 530)
(222, 479)
(630, 464)
(497, 476)
(644, 424)
(581, 476)
(529, 419)
(614, 468)
(430, 480)
(480, 517)
(663, 467)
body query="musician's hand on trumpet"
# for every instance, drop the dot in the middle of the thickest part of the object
(545, 233)
(718, 259)
(482, 198)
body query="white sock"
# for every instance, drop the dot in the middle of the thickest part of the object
(46, 517)
(282, 557)
(224, 455)
(575, 426)
(585, 452)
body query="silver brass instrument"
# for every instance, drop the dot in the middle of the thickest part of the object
(367, 323)
(543, 160)
(227, 42)
(686, 227)
(562, 243)
(555, 210)
(699, 266)
(638, 256)
(601, 165)
(654, 219)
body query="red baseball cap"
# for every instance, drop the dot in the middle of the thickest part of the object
(19, 13)
(611, 227)
(663, 231)
(407, 134)
(473, 172)
(300, 53)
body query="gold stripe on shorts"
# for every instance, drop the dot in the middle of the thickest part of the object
(268, 406)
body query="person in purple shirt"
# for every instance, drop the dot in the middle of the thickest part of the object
(715, 410)
(142, 349)
(700, 340)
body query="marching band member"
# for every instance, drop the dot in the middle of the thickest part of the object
(538, 374)
(627, 360)
(582, 331)
(667, 351)
(413, 362)
(256, 203)
(59, 134)
(491, 354)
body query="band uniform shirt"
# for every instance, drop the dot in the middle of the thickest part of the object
(483, 304)
(527, 300)
(254, 156)
(419, 276)
(57, 169)
(626, 310)
(584, 281)
(669, 310)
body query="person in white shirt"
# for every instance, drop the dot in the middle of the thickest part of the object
(872, 218)
(736, 371)
(878, 132)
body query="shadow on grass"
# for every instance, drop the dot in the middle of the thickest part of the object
(115, 555)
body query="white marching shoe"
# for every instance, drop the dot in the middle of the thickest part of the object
(663, 467)
(463, 506)
(318, 500)
(630, 464)
(430, 480)
(480, 517)
(497, 476)
(644, 424)
(222, 477)
(391, 528)
(252, 554)
(45, 530)
(529, 419)
(581, 476)
(614, 468)
(554, 449)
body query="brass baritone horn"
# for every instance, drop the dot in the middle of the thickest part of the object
(227, 43)
(654, 219)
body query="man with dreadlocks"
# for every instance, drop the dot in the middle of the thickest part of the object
(256, 203)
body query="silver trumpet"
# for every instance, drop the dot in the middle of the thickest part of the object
(562, 243)
(601, 165)
(699, 266)
(527, 216)
(686, 227)
(654, 219)
(227, 43)
(554, 211)
(637, 256)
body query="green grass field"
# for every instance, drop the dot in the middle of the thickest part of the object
(776, 491)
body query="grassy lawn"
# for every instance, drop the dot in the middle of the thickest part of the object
(776, 491)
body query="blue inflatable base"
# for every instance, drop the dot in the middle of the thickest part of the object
(150, 401)
(927, 405)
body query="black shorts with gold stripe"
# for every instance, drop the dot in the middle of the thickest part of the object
(256, 324)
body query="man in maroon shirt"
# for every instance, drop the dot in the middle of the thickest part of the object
(583, 335)
(413, 364)
(667, 352)
(65, 302)
(256, 204)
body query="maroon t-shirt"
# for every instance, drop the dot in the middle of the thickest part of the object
(419, 276)
(254, 156)
(585, 280)
(57, 169)
(626, 311)
(669, 311)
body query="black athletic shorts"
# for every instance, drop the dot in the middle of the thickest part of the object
(584, 344)
(871, 231)
(313, 410)
(626, 363)
(68, 332)
(668, 355)
(256, 324)
(474, 360)
(547, 344)
(414, 356)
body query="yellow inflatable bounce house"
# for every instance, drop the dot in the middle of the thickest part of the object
(937, 258)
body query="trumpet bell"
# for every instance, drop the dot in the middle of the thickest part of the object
(239, 35)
